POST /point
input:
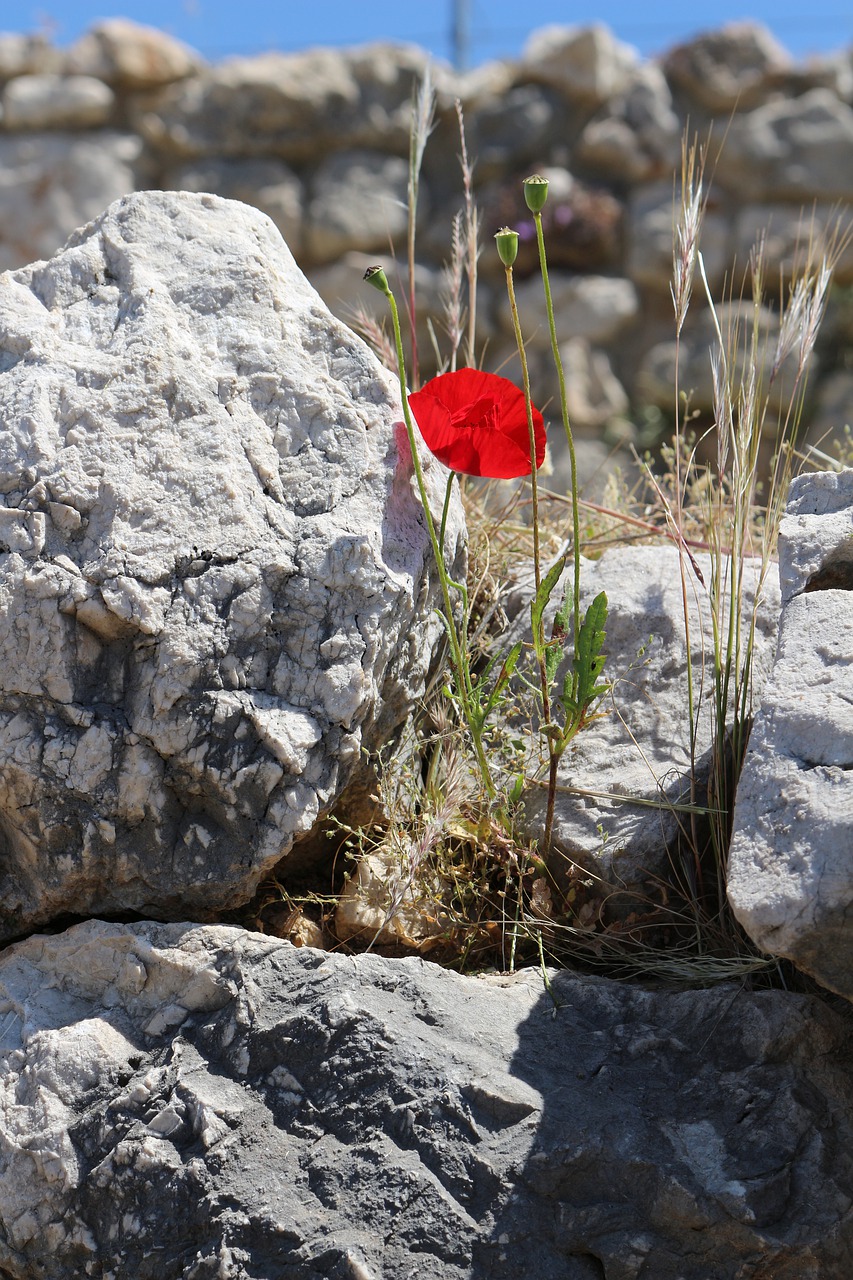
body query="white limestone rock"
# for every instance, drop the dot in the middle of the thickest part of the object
(131, 56)
(357, 201)
(791, 859)
(586, 64)
(26, 55)
(215, 583)
(202, 1103)
(790, 149)
(56, 102)
(595, 308)
(636, 135)
(268, 184)
(614, 816)
(649, 224)
(51, 183)
(731, 69)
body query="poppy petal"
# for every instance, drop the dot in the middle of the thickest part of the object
(476, 423)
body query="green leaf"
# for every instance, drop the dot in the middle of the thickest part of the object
(588, 662)
(540, 600)
(504, 675)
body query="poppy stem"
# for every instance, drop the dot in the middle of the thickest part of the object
(528, 404)
(538, 625)
(448, 491)
(555, 350)
(458, 649)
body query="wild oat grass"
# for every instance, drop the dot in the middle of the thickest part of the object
(488, 897)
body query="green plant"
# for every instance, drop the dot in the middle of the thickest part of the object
(455, 847)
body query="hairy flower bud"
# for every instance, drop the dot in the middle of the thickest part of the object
(535, 192)
(507, 242)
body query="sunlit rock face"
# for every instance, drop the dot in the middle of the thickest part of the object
(215, 583)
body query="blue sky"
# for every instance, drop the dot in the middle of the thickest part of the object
(497, 28)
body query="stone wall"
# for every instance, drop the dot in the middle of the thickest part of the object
(319, 141)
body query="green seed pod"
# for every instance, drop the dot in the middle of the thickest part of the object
(535, 192)
(377, 277)
(507, 242)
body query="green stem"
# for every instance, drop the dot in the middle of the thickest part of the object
(525, 376)
(538, 639)
(448, 491)
(457, 657)
(564, 408)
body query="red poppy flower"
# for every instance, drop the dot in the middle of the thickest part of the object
(476, 423)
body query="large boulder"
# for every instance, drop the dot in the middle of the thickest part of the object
(216, 589)
(791, 859)
(199, 1103)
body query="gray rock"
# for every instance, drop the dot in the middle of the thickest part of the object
(267, 184)
(688, 364)
(357, 200)
(650, 221)
(797, 149)
(201, 1102)
(57, 102)
(51, 183)
(791, 859)
(595, 308)
(832, 416)
(131, 56)
(215, 586)
(786, 232)
(816, 535)
(26, 55)
(731, 69)
(594, 395)
(587, 64)
(636, 136)
(292, 105)
(626, 770)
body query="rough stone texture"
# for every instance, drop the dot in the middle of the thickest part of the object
(791, 149)
(292, 105)
(816, 536)
(200, 1102)
(640, 749)
(786, 231)
(270, 185)
(357, 201)
(590, 307)
(728, 70)
(688, 364)
(50, 183)
(649, 237)
(56, 102)
(594, 394)
(636, 137)
(791, 860)
(214, 586)
(131, 56)
(585, 63)
(22, 55)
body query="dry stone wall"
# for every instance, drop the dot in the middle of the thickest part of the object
(318, 140)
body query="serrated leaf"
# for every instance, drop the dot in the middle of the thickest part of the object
(543, 595)
(588, 661)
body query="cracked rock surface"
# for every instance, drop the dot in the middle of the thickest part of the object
(215, 582)
(197, 1101)
(791, 859)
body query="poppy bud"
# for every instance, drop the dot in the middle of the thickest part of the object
(507, 242)
(535, 192)
(377, 277)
